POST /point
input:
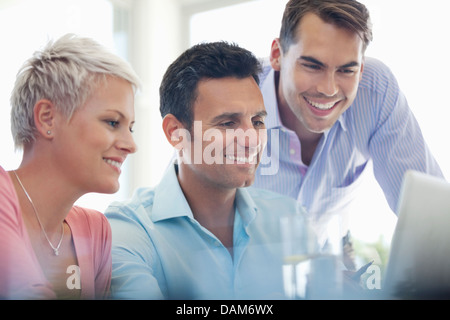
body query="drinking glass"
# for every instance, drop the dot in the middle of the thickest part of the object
(311, 269)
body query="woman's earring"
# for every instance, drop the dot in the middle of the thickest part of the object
(49, 132)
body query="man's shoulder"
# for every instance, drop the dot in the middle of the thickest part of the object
(376, 75)
(265, 70)
(141, 201)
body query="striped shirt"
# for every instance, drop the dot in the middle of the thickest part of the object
(379, 127)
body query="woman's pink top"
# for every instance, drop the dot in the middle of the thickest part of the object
(21, 276)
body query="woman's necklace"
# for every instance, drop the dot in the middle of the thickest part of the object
(55, 250)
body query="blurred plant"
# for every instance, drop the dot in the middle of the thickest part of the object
(377, 251)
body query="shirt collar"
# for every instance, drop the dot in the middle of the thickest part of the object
(169, 200)
(245, 206)
(270, 101)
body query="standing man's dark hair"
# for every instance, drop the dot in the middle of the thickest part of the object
(215, 60)
(347, 14)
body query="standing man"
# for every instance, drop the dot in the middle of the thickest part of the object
(333, 110)
(201, 233)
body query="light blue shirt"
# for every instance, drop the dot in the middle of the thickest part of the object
(160, 251)
(379, 126)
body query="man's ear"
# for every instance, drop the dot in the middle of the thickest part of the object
(44, 117)
(362, 69)
(275, 54)
(175, 131)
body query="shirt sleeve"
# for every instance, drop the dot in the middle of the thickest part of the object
(133, 256)
(397, 143)
(20, 274)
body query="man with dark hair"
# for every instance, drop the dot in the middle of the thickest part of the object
(200, 234)
(335, 111)
(178, 89)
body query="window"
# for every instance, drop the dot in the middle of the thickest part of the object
(251, 24)
(26, 26)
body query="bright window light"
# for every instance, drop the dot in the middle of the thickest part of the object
(26, 26)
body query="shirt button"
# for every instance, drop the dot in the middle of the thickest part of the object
(292, 151)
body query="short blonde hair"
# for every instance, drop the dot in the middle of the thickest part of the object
(65, 72)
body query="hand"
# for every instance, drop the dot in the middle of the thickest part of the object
(348, 253)
(352, 281)
(352, 277)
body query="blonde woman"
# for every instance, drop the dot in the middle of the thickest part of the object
(72, 114)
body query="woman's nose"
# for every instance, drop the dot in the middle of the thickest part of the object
(127, 143)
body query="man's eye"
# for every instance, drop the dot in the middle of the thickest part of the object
(227, 124)
(311, 66)
(258, 123)
(347, 71)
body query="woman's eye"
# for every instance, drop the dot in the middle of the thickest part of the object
(113, 123)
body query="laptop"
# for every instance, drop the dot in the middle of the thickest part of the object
(419, 261)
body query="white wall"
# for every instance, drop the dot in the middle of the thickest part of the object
(155, 43)
(26, 26)
(154, 39)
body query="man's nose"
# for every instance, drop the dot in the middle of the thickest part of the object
(327, 84)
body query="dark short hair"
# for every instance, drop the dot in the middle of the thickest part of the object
(215, 60)
(348, 14)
